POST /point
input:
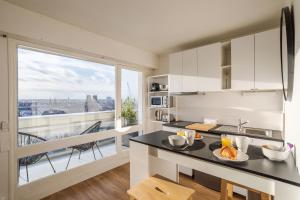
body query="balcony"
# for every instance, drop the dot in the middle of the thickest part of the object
(55, 127)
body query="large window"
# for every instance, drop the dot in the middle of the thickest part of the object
(60, 96)
(130, 97)
(67, 114)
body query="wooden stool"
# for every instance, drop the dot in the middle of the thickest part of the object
(227, 191)
(158, 189)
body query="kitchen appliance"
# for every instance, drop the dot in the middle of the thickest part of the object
(161, 101)
(158, 115)
(287, 51)
(154, 87)
(167, 118)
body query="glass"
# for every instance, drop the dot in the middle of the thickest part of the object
(60, 96)
(46, 164)
(129, 96)
(226, 141)
(190, 137)
(126, 138)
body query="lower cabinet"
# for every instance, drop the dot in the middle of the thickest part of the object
(207, 180)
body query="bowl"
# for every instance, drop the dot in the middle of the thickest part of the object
(176, 140)
(275, 153)
(163, 87)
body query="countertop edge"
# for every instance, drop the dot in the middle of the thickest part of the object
(220, 163)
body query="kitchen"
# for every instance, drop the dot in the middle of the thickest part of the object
(238, 96)
(145, 100)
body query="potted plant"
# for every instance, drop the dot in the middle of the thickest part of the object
(127, 112)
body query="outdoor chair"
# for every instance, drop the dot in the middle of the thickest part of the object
(28, 139)
(87, 146)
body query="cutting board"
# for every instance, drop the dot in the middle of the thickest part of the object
(200, 127)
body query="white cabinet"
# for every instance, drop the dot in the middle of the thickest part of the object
(209, 67)
(242, 63)
(175, 71)
(267, 60)
(189, 71)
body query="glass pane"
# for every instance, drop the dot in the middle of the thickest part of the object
(38, 166)
(60, 96)
(130, 96)
(125, 138)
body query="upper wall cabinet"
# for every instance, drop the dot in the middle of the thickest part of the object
(189, 71)
(175, 71)
(267, 60)
(209, 67)
(242, 63)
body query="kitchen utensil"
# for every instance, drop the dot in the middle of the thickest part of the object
(242, 143)
(275, 153)
(190, 136)
(167, 118)
(200, 127)
(176, 140)
(163, 87)
(241, 156)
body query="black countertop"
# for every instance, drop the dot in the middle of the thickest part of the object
(257, 164)
(276, 136)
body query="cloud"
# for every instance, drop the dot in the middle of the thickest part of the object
(43, 76)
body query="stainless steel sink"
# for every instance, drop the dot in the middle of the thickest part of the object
(227, 128)
(257, 131)
(248, 131)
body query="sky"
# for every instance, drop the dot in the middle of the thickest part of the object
(43, 76)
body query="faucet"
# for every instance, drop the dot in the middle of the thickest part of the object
(241, 123)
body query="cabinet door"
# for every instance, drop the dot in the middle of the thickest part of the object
(175, 69)
(209, 67)
(242, 63)
(267, 60)
(189, 71)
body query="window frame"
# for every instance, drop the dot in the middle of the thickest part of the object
(19, 152)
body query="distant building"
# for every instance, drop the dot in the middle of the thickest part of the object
(53, 112)
(25, 109)
(91, 104)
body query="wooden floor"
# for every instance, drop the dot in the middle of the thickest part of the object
(114, 184)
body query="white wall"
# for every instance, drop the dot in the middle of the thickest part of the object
(19, 21)
(293, 108)
(263, 110)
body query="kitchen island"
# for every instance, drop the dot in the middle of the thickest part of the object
(150, 154)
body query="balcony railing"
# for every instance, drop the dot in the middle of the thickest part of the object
(64, 125)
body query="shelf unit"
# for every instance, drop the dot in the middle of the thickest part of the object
(226, 66)
(170, 111)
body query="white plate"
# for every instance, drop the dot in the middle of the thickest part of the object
(199, 138)
(241, 156)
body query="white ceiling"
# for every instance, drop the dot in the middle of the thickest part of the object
(162, 26)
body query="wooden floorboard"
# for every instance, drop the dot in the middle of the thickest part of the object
(113, 184)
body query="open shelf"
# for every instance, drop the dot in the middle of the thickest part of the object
(226, 65)
(153, 92)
